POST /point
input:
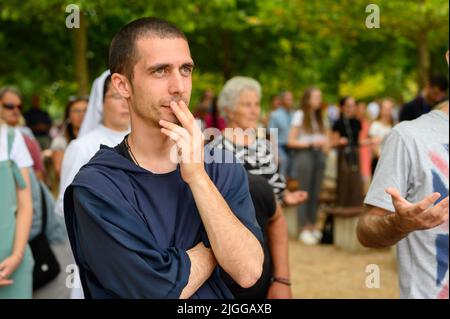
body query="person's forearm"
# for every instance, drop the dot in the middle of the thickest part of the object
(379, 231)
(293, 142)
(277, 234)
(335, 140)
(297, 144)
(24, 217)
(236, 249)
(365, 141)
(203, 263)
(57, 158)
(40, 176)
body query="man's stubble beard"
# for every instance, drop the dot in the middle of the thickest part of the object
(152, 114)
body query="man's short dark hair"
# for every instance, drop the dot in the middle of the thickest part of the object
(439, 81)
(122, 52)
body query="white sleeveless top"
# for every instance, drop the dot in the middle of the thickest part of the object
(19, 150)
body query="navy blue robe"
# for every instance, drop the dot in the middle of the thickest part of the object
(130, 229)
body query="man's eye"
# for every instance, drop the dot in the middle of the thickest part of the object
(159, 72)
(186, 70)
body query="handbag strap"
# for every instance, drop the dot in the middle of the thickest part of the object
(16, 172)
(11, 135)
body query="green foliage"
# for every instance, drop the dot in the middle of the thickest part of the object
(290, 44)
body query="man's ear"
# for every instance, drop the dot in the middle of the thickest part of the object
(121, 84)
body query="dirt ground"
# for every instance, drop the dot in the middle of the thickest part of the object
(321, 271)
(324, 271)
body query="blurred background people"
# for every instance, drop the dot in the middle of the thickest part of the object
(308, 137)
(275, 103)
(207, 113)
(345, 137)
(16, 261)
(73, 117)
(240, 101)
(11, 114)
(435, 92)
(39, 122)
(380, 128)
(365, 151)
(280, 119)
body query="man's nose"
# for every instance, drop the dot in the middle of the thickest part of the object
(176, 84)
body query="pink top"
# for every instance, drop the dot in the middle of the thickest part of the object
(221, 124)
(365, 152)
(35, 152)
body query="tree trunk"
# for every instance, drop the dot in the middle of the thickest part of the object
(227, 64)
(80, 46)
(424, 58)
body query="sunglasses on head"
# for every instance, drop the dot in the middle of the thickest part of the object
(11, 106)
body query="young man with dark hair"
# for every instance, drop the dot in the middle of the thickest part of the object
(140, 224)
(433, 94)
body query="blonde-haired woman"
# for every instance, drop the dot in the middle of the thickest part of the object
(16, 261)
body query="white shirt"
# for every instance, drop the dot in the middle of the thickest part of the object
(297, 121)
(79, 152)
(378, 129)
(373, 108)
(415, 160)
(19, 150)
(59, 143)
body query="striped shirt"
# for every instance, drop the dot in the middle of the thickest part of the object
(257, 158)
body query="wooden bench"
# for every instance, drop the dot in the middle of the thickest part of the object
(345, 222)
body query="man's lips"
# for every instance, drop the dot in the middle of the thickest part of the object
(167, 107)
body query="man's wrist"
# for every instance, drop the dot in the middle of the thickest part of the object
(282, 280)
(18, 255)
(394, 221)
(200, 178)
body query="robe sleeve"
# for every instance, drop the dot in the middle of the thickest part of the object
(239, 199)
(121, 256)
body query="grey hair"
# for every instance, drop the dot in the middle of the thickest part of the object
(233, 88)
(9, 89)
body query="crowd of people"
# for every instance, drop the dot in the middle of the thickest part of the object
(210, 230)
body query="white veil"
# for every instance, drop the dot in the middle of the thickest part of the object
(94, 113)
